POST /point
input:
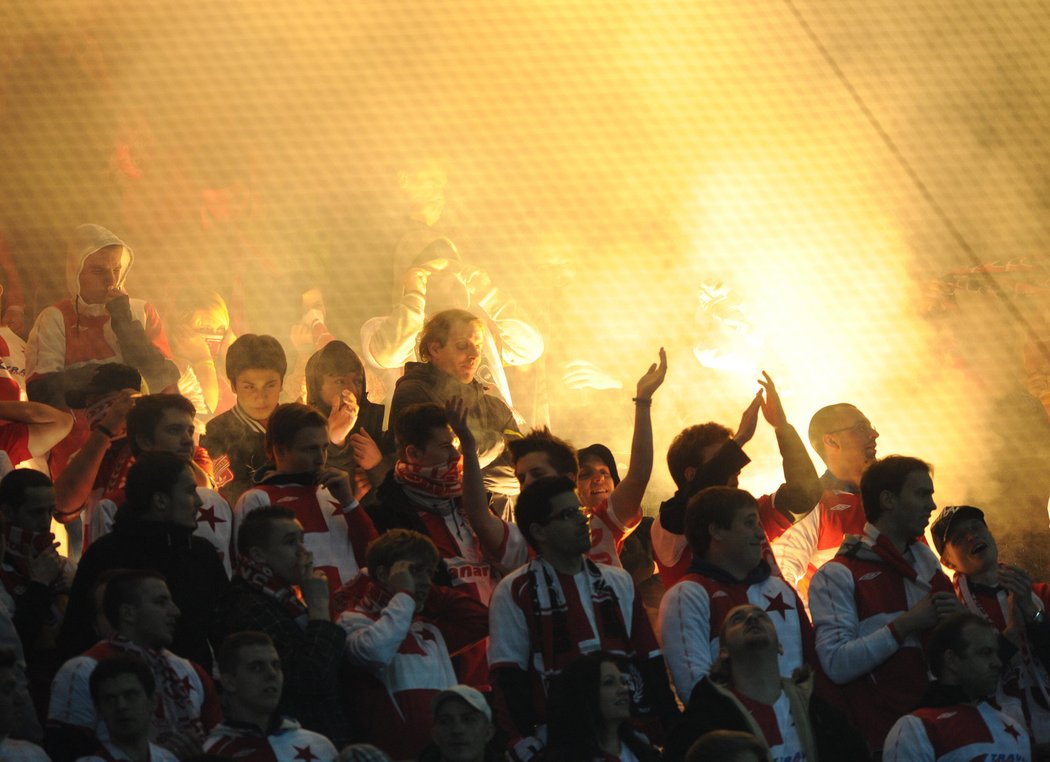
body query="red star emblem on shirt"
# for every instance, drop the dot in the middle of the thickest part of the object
(304, 753)
(208, 514)
(777, 604)
(1011, 730)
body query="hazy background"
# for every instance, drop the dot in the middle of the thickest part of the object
(608, 163)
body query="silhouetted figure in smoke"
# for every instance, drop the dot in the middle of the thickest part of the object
(431, 277)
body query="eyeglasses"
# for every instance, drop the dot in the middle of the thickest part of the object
(861, 428)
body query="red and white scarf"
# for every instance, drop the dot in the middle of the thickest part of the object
(261, 576)
(431, 484)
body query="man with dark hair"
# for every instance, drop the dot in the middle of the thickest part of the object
(124, 693)
(726, 540)
(337, 529)
(256, 366)
(402, 631)
(154, 529)
(1005, 596)
(955, 720)
(277, 590)
(845, 440)
(450, 349)
(558, 607)
(164, 423)
(33, 574)
(873, 602)
(139, 606)
(254, 731)
(748, 691)
(10, 748)
(710, 455)
(614, 506)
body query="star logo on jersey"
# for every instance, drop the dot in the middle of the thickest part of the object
(208, 515)
(1011, 730)
(777, 604)
(840, 507)
(305, 753)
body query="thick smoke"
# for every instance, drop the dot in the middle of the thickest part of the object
(636, 174)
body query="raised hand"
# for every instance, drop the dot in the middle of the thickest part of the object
(748, 421)
(456, 412)
(653, 378)
(366, 451)
(337, 482)
(772, 409)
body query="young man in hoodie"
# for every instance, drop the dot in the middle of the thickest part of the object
(99, 322)
(337, 530)
(955, 719)
(254, 731)
(726, 539)
(873, 603)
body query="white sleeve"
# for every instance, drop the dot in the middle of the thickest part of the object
(46, 347)
(845, 654)
(685, 626)
(907, 742)
(102, 514)
(373, 644)
(794, 549)
(71, 702)
(508, 630)
(668, 547)
(515, 549)
(390, 342)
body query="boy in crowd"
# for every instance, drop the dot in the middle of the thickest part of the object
(235, 440)
(254, 731)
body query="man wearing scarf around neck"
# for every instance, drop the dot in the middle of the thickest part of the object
(725, 535)
(278, 591)
(874, 601)
(437, 492)
(337, 530)
(139, 606)
(558, 607)
(955, 719)
(1005, 596)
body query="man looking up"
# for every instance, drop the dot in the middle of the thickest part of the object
(337, 529)
(726, 540)
(955, 719)
(873, 602)
(254, 731)
(1005, 596)
(613, 505)
(845, 440)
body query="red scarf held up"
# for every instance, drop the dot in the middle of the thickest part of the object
(443, 481)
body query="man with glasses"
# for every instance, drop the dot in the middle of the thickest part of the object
(556, 608)
(844, 439)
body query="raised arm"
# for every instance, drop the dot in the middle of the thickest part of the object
(801, 489)
(626, 498)
(47, 425)
(489, 528)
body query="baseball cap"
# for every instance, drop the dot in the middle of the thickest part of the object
(471, 696)
(951, 516)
